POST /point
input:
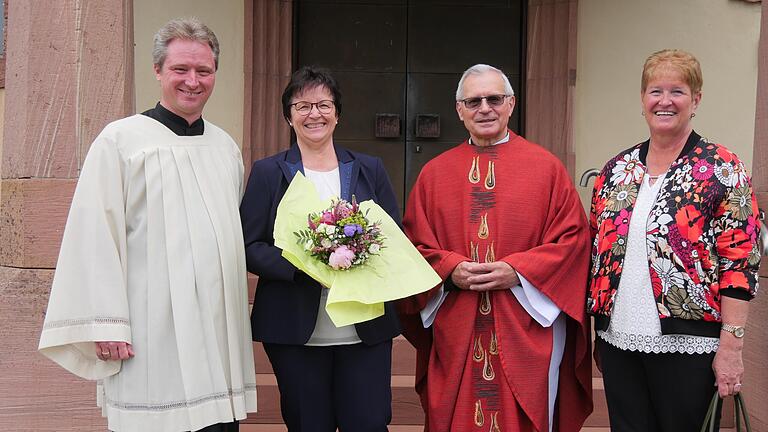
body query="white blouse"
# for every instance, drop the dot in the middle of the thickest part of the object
(635, 324)
(326, 333)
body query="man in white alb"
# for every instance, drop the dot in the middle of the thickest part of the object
(150, 294)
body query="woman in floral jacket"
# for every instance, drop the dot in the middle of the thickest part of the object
(674, 261)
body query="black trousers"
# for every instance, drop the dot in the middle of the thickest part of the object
(327, 387)
(666, 392)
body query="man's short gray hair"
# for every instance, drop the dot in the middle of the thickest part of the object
(481, 69)
(183, 28)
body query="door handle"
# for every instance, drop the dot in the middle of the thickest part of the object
(427, 125)
(387, 125)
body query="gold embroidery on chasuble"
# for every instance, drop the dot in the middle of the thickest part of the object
(479, 417)
(495, 423)
(490, 255)
(474, 170)
(493, 348)
(478, 353)
(488, 373)
(482, 232)
(490, 177)
(485, 384)
(485, 303)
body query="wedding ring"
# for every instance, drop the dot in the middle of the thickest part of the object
(737, 387)
(105, 353)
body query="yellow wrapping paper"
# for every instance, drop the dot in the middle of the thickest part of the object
(358, 294)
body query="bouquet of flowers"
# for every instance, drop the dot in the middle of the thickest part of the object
(341, 236)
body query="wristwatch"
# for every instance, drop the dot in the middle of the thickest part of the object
(737, 331)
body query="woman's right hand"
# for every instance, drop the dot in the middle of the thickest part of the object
(728, 365)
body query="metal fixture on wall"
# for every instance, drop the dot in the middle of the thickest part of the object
(588, 174)
(763, 242)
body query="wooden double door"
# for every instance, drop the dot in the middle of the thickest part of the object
(398, 63)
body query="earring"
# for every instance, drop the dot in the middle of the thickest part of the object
(693, 114)
(642, 113)
(290, 124)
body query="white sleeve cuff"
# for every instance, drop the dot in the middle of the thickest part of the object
(429, 312)
(538, 306)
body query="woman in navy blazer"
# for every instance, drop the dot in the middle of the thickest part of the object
(328, 377)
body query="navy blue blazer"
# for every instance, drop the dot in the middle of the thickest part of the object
(286, 302)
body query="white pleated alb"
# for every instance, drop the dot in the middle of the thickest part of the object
(153, 255)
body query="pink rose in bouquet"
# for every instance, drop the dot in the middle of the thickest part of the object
(341, 258)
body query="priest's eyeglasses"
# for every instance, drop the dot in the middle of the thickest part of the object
(304, 108)
(474, 103)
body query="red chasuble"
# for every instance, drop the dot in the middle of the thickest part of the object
(485, 364)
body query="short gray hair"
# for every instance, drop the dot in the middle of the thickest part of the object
(183, 28)
(479, 69)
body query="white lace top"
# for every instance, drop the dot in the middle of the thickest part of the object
(635, 322)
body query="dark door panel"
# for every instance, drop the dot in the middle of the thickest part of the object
(367, 2)
(391, 152)
(464, 3)
(365, 37)
(365, 95)
(418, 153)
(515, 122)
(452, 38)
(435, 93)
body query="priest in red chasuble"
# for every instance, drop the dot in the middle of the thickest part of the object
(503, 343)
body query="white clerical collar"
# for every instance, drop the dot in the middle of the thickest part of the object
(501, 141)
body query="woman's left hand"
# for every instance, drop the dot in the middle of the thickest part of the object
(728, 365)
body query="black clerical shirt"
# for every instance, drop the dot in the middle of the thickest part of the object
(178, 125)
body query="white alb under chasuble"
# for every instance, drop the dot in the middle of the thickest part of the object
(153, 255)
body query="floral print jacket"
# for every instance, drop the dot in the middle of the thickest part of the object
(702, 235)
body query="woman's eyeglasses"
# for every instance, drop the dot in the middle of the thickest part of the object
(304, 108)
(474, 103)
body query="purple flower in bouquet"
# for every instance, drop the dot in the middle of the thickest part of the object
(351, 229)
(341, 258)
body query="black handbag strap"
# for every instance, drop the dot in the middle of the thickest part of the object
(741, 413)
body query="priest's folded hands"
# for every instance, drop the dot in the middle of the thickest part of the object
(497, 275)
(113, 350)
